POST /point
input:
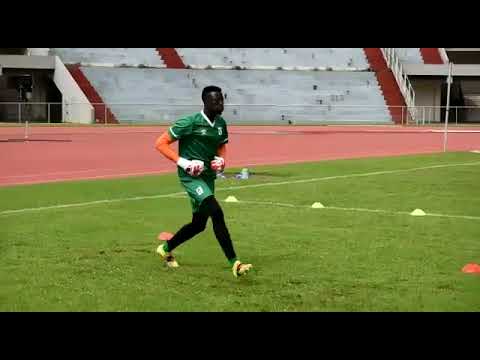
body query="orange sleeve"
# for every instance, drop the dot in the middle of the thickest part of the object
(163, 145)
(222, 151)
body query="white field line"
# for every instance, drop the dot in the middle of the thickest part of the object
(108, 201)
(391, 212)
(301, 181)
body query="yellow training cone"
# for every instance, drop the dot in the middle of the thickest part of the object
(231, 199)
(317, 205)
(418, 212)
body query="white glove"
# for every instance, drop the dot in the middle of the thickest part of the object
(191, 167)
(218, 164)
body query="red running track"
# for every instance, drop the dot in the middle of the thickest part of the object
(71, 153)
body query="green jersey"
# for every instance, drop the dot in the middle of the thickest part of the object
(199, 139)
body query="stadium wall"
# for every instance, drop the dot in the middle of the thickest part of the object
(428, 93)
(72, 94)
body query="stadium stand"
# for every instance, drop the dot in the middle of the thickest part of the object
(255, 58)
(315, 85)
(109, 56)
(308, 90)
(410, 55)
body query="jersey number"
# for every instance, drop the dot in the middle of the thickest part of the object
(199, 190)
(219, 131)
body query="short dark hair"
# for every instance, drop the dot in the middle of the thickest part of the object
(210, 89)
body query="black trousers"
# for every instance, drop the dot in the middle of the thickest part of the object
(209, 208)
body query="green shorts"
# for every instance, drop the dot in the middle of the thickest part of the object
(198, 189)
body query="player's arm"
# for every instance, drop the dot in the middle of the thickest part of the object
(163, 145)
(222, 151)
(192, 167)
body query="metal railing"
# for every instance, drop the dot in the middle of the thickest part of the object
(31, 111)
(395, 64)
(428, 115)
(289, 114)
(443, 55)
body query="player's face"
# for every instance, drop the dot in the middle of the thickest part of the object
(214, 102)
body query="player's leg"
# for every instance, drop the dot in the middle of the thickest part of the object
(211, 206)
(195, 190)
(188, 231)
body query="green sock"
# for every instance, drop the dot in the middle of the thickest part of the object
(165, 247)
(232, 261)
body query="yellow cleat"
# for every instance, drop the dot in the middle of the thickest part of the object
(240, 269)
(167, 256)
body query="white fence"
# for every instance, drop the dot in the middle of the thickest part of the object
(288, 114)
(395, 64)
(32, 111)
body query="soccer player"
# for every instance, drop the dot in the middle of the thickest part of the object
(202, 148)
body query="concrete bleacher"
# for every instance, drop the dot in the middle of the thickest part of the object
(316, 85)
(109, 56)
(163, 95)
(336, 58)
(410, 55)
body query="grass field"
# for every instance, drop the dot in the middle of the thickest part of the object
(364, 252)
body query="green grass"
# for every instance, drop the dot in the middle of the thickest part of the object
(100, 257)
